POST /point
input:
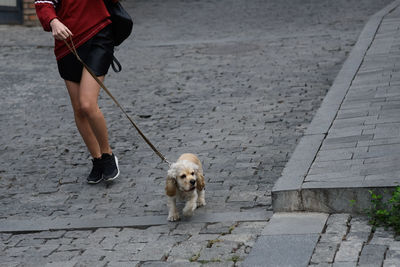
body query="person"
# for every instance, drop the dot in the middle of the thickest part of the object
(87, 23)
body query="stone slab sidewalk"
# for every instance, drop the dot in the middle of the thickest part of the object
(353, 142)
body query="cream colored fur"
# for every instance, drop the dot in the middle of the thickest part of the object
(185, 181)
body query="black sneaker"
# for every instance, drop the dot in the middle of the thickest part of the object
(110, 167)
(96, 175)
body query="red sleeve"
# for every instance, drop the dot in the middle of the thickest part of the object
(46, 12)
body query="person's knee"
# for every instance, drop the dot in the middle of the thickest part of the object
(87, 109)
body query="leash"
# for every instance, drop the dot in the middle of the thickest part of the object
(73, 50)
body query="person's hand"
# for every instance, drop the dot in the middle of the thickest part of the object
(59, 30)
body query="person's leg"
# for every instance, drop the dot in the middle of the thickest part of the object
(81, 120)
(89, 91)
(88, 94)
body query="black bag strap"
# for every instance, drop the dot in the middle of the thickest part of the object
(114, 62)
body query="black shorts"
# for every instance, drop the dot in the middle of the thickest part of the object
(97, 53)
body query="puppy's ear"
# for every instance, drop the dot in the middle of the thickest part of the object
(170, 188)
(200, 180)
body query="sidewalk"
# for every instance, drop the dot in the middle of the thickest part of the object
(352, 146)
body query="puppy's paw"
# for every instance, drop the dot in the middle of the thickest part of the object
(173, 217)
(201, 202)
(188, 211)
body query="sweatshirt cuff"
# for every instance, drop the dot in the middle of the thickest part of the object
(46, 14)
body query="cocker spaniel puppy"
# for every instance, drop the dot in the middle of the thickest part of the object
(185, 181)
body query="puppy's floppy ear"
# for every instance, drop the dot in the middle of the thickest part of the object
(200, 180)
(170, 188)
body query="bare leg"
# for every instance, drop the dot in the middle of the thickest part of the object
(81, 121)
(88, 117)
(89, 91)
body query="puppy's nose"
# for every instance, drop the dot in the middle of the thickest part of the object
(193, 181)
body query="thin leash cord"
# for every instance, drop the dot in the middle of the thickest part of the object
(73, 50)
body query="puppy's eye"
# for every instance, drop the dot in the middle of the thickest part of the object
(192, 173)
(183, 176)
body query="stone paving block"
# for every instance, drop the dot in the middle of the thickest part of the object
(218, 228)
(379, 168)
(186, 250)
(122, 264)
(394, 245)
(243, 196)
(392, 254)
(83, 261)
(92, 253)
(202, 237)
(360, 224)
(331, 238)
(348, 251)
(334, 156)
(283, 250)
(348, 177)
(345, 114)
(336, 165)
(324, 253)
(123, 255)
(345, 264)
(245, 239)
(49, 235)
(63, 256)
(348, 139)
(322, 265)
(385, 180)
(358, 236)
(61, 264)
(349, 131)
(221, 251)
(61, 242)
(338, 219)
(372, 255)
(10, 264)
(295, 224)
(193, 228)
(338, 145)
(391, 263)
(218, 264)
(334, 184)
(249, 228)
(154, 251)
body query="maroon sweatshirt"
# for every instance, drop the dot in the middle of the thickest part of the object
(84, 18)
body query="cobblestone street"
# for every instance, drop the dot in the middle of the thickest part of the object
(236, 82)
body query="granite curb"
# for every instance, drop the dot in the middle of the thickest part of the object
(45, 224)
(289, 192)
